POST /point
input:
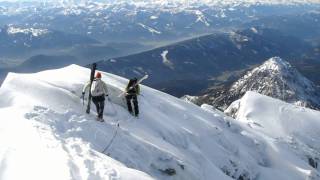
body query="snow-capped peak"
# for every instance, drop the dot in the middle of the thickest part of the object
(276, 64)
(275, 78)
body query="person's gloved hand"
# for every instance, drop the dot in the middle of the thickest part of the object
(82, 96)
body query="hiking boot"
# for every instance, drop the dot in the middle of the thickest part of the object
(100, 119)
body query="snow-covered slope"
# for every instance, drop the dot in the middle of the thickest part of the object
(278, 79)
(288, 127)
(45, 134)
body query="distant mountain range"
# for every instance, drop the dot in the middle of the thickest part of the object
(190, 66)
(275, 78)
(145, 21)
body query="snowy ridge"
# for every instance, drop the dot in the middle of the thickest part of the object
(171, 139)
(47, 142)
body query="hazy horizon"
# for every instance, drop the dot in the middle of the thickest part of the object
(159, 1)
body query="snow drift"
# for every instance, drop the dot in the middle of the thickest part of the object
(45, 134)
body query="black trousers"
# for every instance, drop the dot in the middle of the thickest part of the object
(99, 102)
(134, 99)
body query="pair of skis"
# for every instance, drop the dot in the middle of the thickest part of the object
(93, 71)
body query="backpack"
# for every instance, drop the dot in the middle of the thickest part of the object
(132, 87)
(97, 88)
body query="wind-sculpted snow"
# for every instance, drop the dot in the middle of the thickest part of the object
(45, 134)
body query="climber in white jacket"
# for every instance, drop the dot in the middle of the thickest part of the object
(98, 92)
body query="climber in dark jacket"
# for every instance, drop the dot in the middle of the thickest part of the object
(132, 90)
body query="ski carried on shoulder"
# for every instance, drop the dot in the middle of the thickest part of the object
(93, 70)
(138, 82)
